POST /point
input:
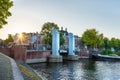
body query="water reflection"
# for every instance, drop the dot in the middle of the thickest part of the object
(80, 70)
(89, 69)
(108, 70)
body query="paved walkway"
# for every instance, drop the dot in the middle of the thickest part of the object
(9, 69)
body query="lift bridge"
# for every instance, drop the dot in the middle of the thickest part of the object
(63, 51)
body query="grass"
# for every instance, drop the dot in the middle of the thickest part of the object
(28, 73)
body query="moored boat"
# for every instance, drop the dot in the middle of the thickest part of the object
(105, 57)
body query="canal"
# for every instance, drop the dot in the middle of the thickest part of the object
(84, 69)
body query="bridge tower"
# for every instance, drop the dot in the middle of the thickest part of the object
(55, 57)
(71, 51)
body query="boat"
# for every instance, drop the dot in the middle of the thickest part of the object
(105, 57)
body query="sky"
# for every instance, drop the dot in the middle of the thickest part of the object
(75, 15)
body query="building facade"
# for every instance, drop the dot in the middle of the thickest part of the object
(66, 44)
(34, 41)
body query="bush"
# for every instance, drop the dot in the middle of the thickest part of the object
(106, 52)
(118, 53)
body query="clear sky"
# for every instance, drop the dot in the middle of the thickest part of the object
(76, 15)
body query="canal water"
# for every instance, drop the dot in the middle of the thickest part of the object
(79, 70)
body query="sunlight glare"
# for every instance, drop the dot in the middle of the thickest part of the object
(20, 36)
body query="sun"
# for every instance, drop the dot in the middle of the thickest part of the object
(20, 36)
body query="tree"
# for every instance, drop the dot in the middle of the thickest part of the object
(90, 38)
(115, 43)
(4, 11)
(100, 42)
(46, 31)
(107, 43)
(62, 41)
(9, 39)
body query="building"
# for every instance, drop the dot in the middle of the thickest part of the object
(34, 41)
(66, 44)
(65, 36)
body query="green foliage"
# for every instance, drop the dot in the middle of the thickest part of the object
(62, 41)
(115, 43)
(106, 43)
(47, 28)
(4, 11)
(9, 39)
(100, 41)
(104, 52)
(90, 38)
(118, 53)
(107, 52)
(47, 39)
(46, 31)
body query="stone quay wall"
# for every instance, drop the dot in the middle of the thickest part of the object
(34, 56)
(37, 54)
(20, 54)
(83, 53)
(17, 53)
